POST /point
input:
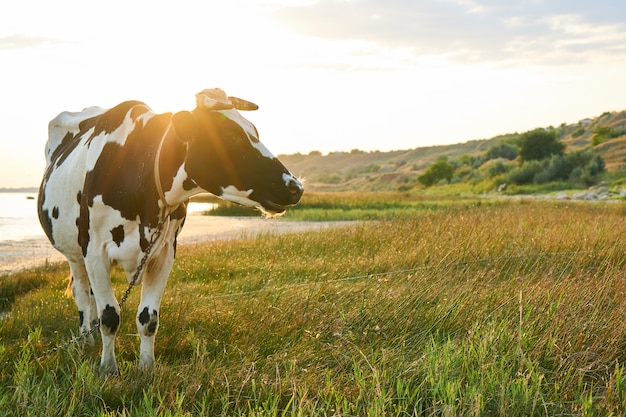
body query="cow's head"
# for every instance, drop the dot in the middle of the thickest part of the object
(226, 158)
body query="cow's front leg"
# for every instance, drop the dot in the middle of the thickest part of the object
(148, 312)
(108, 312)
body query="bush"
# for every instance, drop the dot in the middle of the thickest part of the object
(578, 132)
(502, 150)
(539, 144)
(371, 168)
(581, 166)
(477, 161)
(465, 159)
(589, 173)
(497, 169)
(440, 171)
(525, 174)
(330, 179)
(604, 133)
(558, 168)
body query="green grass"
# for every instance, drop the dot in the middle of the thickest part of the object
(509, 309)
(338, 206)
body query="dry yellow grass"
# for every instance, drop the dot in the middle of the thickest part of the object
(509, 309)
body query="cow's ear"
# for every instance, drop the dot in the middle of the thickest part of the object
(241, 104)
(184, 124)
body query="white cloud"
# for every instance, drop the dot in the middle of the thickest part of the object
(538, 32)
(17, 41)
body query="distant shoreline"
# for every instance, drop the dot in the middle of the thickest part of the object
(20, 190)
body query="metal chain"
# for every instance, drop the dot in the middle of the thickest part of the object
(83, 335)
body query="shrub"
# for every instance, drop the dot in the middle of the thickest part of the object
(587, 166)
(440, 171)
(465, 159)
(602, 134)
(477, 161)
(497, 168)
(558, 168)
(502, 150)
(525, 173)
(539, 144)
(590, 172)
(330, 179)
(581, 166)
(371, 168)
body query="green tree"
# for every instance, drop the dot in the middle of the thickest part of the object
(438, 171)
(539, 144)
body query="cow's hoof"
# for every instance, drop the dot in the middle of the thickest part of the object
(146, 365)
(108, 370)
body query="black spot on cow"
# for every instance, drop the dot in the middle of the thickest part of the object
(79, 197)
(110, 320)
(81, 317)
(55, 212)
(117, 233)
(143, 241)
(144, 316)
(189, 184)
(179, 213)
(152, 326)
(82, 223)
(46, 223)
(152, 320)
(44, 215)
(65, 148)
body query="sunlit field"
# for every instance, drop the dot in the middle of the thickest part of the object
(513, 308)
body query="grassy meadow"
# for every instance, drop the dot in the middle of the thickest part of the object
(440, 308)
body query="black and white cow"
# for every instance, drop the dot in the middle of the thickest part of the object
(113, 175)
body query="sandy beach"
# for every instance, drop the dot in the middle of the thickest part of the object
(28, 253)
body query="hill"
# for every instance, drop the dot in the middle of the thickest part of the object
(399, 170)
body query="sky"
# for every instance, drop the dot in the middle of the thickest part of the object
(328, 75)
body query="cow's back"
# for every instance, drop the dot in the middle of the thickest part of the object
(67, 123)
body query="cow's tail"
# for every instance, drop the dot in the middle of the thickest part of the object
(68, 291)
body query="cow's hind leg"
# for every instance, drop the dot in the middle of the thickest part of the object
(83, 296)
(108, 312)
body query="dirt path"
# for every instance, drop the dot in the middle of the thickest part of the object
(18, 255)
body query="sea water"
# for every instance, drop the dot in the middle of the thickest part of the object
(18, 217)
(19, 221)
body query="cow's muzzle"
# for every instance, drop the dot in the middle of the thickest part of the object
(288, 196)
(295, 189)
